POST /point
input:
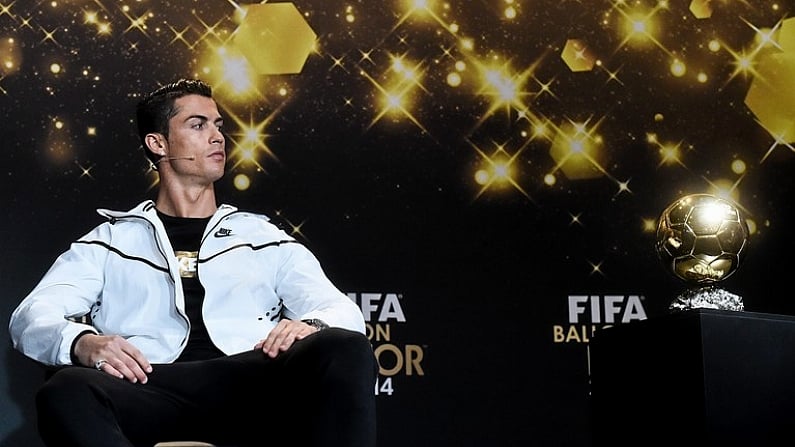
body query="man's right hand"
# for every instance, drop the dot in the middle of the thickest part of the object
(114, 355)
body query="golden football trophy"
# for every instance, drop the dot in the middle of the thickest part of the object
(702, 240)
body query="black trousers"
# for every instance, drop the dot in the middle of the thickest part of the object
(319, 392)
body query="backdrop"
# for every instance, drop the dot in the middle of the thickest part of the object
(484, 178)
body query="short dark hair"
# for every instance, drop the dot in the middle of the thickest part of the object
(156, 108)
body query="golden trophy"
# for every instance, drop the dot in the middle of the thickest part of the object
(702, 240)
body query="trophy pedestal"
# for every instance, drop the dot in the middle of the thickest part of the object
(696, 377)
(709, 297)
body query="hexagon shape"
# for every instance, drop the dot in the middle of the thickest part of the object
(577, 55)
(274, 38)
(771, 96)
(776, 70)
(786, 35)
(701, 9)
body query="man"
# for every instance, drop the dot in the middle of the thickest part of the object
(205, 322)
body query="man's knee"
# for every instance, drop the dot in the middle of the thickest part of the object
(62, 387)
(350, 345)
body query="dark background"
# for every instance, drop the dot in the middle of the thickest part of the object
(389, 201)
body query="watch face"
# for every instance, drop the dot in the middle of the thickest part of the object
(314, 322)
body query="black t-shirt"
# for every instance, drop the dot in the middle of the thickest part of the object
(185, 234)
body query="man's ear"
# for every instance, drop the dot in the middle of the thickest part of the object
(154, 141)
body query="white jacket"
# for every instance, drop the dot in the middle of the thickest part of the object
(125, 275)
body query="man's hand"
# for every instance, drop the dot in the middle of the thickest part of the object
(283, 336)
(114, 355)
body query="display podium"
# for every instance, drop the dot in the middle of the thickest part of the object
(702, 377)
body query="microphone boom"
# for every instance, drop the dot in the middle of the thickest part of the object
(189, 157)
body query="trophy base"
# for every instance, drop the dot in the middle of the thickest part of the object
(709, 297)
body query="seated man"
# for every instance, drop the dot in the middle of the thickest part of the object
(207, 323)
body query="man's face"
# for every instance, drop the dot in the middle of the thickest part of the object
(195, 144)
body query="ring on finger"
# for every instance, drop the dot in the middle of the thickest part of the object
(98, 364)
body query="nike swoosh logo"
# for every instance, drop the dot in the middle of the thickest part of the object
(223, 232)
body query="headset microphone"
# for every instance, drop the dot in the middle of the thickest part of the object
(190, 157)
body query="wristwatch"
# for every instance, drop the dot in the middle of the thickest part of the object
(316, 323)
